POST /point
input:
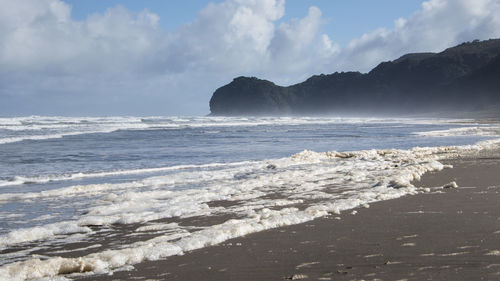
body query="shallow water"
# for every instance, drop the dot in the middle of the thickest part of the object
(69, 184)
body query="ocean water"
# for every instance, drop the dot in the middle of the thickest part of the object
(95, 195)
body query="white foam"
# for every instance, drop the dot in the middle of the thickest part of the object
(357, 178)
(19, 180)
(40, 232)
(194, 174)
(31, 128)
(51, 136)
(491, 131)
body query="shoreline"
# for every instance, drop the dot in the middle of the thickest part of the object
(445, 234)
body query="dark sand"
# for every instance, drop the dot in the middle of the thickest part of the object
(453, 234)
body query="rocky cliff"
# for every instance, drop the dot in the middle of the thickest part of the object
(465, 77)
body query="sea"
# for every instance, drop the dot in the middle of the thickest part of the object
(93, 195)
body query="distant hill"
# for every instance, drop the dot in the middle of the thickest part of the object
(465, 77)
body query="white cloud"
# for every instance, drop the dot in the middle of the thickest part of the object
(43, 38)
(438, 25)
(116, 57)
(122, 62)
(295, 41)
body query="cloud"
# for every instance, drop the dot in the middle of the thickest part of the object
(295, 41)
(122, 62)
(231, 35)
(42, 37)
(109, 60)
(439, 24)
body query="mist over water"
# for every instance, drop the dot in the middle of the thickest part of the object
(75, 181)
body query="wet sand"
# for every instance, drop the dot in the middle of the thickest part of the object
(448, 234)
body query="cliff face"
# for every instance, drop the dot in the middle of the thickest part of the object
(465, 77)
(250, 96)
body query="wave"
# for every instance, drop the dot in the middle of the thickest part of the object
(19, 180)
(490, 131)
(263, 194)
(40, 128)
(51, 136)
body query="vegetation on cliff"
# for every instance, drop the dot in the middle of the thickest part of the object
(465, 77)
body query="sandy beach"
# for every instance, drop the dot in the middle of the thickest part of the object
(446, 234)
(249, 140)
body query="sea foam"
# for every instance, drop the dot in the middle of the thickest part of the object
(260, 194)
(37, 128)
(486, 130)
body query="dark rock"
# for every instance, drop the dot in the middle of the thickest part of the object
(465, 77)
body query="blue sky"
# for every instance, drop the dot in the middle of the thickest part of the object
(152, 57)
(345, 19)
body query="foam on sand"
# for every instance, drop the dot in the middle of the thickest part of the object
(297, 189)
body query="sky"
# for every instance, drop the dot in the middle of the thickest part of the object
(156, 57)
(337, 13)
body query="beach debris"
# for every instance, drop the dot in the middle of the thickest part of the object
(307, 264)
(450, 185)
(468, 247)
(407, 236)
(271, 167)
(392, 262)
(453, 254)
(493, 265)
(354, 212)
(425, 189)
(296, 277)
(493, 253)
(372, 256)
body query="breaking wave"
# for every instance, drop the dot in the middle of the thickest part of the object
(260, 195)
